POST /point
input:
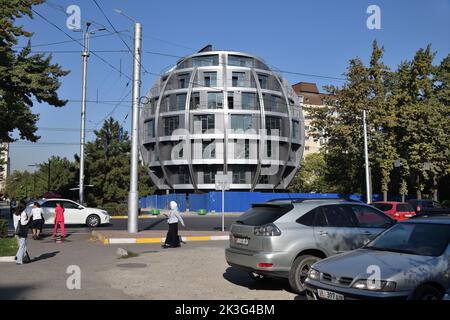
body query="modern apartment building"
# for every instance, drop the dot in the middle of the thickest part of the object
(226, 113)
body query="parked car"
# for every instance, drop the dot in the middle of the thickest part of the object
(74, 213)
(396, 210)
(284, 238)
(411, 260)
(422, 207)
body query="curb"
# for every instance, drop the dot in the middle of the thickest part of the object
(7, 259)
(106, 241)
(140, 217)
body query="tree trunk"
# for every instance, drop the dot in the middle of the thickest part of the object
(385, 196)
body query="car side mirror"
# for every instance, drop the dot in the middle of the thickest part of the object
(80, 208)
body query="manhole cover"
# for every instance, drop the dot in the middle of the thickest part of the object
(132, 265)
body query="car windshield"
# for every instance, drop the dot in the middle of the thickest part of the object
(383, 206)
(425, 239)
(259, 215)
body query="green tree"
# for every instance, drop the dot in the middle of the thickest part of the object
(19, 185)
(421, 99)
(23, 75)
(108, 167)
(311, 176)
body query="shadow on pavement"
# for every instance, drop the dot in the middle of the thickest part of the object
(44, 256)
(13, 292)
(242, 279)
(153, 224)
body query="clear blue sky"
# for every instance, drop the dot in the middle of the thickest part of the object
(312, 37)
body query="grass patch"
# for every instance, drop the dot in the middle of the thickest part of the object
(8, 247)
(131, 254)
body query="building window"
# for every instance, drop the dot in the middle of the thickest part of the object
(183, 80)
(272, 124)
(170, 125)
(264, 179)
(230, 100)
(211, 152)
(210, 79)
(238, 79)
(249, 101)
(209, 176)
(202, 61)
(307, 148)
(269, 148)
(181, 101)
(295, 129)
(215, 100)
(183, 176)
(241, 61)
(263, 81)
(150, 127)
(206, 120)
(247, 149)
(239, 176)
(195, 101)
(273, 103)
(241, 122)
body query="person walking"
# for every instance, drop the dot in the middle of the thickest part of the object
(172, 238)
(21, 225)
(38, 220)
(59, 220)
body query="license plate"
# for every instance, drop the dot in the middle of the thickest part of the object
(243, 241)
(329, 295)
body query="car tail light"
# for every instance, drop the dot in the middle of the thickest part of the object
(265, 265)
(418, 208)
(267, 230)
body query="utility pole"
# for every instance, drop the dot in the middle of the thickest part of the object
(84, 56)
(133, 196)
(48, 176)
(366, 157)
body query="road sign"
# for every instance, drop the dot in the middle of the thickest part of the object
(223, 182)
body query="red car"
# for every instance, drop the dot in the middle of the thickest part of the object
(397, 210)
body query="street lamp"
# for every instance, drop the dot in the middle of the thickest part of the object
(84, 56)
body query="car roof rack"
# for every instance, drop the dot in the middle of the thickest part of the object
(300, 200)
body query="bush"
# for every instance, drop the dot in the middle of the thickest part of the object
(3, 228)
(116, 209)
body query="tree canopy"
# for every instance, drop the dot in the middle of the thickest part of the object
(24, 77)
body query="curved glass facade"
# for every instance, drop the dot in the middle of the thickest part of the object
(221, 112)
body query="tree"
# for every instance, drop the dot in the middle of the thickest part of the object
(23, 75)
(311, 177)
(19, 185)
(108, 167)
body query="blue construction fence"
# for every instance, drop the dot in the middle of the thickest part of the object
(235, 201)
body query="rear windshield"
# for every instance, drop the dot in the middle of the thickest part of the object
(383, 206)
(404, 208)
(259, 215)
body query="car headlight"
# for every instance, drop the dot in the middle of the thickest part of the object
(313, 274)
(373, 285)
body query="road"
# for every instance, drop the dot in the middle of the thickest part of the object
(193, 223)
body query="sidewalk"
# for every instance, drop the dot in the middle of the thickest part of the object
(155, 236)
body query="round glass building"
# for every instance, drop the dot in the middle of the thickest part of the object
(221, 112)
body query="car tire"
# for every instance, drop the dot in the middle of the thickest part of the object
(93, 221)
(257, 277)
(426, 292)
(299, 271)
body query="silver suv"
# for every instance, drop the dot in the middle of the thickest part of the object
(283, 238)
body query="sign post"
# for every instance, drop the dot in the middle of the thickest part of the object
(223, 183)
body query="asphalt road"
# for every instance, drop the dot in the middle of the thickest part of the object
(194, 223)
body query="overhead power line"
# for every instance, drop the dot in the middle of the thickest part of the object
(68, 35)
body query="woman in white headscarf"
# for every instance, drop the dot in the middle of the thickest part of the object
(172, 238)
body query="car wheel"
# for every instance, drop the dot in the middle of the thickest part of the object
(257, 277)
(299, 272)
(426, 292)
(93, 221)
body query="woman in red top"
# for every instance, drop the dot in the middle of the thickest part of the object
(59, 220)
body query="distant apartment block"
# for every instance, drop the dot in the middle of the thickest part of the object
(310, 97)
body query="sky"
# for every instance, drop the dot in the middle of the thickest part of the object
(310, 38)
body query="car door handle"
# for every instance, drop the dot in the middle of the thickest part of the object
(323, 233)
(367, 233)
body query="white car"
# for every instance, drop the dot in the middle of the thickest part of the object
(74, 213)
